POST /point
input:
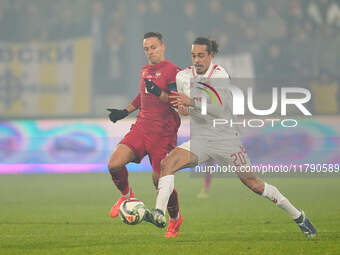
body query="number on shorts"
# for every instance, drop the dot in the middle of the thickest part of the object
(239, 158)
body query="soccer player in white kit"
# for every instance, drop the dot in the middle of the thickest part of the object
(208, 143)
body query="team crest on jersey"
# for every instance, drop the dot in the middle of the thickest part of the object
(147, 75)
(158, 74)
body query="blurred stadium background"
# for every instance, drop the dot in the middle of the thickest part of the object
(298, 39)
(63, 62)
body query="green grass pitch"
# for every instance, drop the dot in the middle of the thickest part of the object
(69, 214)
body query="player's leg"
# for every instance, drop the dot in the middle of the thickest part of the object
(155, 178)
(158, 148)
(270, 192)
(273, 194)
(173, 204)
(131, 148)
(119, 158)
(157, 155)
(239, 158)
(177, 159)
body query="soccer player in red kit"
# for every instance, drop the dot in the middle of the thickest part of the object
(155, 131)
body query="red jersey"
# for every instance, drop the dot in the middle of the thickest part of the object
(156, 115)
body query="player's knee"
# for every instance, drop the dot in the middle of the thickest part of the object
(114, 165)
(165, 167)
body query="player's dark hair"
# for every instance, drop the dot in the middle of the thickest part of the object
(153, 34)
(212, 45)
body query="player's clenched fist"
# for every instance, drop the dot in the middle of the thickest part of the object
(152, 88)
(116, 114)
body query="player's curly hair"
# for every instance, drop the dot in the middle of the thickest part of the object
(212, 45)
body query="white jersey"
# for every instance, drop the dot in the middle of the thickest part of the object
(186, 81)
(208, 141)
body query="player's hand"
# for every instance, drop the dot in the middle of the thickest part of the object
(178, 99)
(152, 88)
(183, 110)
(116, 114)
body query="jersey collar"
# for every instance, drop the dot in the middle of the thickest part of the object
(160, 64)
(207, 74)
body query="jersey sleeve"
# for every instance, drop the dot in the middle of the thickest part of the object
(221, 73)
(171, 79)
(183, 83)
(136, 101)
(173, 73)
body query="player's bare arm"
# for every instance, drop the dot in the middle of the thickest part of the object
(130, 108)
(118, 114)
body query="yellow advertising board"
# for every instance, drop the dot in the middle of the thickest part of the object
(45, 79)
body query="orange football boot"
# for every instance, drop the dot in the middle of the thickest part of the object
(173, 227)
(115, 208)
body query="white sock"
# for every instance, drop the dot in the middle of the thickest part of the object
(166, 186)
(273, 194)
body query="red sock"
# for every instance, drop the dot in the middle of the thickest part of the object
(173, 207)
(120, 178)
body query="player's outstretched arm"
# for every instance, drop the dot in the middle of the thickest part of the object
(118, 114)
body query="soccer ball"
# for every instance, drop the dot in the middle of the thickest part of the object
(132, 211)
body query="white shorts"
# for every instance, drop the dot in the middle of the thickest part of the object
(224, 152)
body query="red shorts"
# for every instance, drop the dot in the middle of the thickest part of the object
(156, 146)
